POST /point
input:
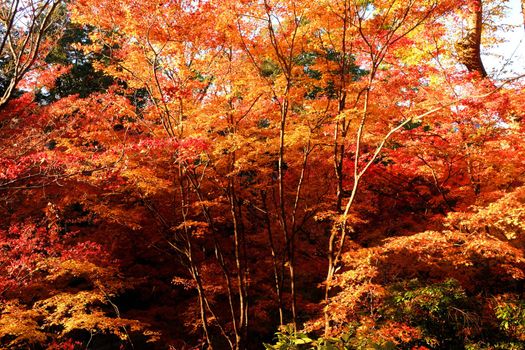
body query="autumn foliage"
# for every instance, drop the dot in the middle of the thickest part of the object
(204, 174)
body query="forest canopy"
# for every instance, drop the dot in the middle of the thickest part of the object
(273, 174)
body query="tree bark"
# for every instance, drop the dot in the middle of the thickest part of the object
(523, 12)
(469, 47)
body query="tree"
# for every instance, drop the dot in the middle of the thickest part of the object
(25, 30)
(243, 165)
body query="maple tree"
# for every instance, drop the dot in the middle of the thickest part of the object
(201, 174)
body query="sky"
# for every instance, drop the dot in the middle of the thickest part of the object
(512, 51)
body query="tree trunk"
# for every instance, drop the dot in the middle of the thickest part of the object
(523, 12)
(469, 47)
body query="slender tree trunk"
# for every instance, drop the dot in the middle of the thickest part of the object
(340, 228)
(241, 280)
(220, 259)
(278, 286)
(202, 307)
(341, 127)
(282, 200)
(192, 267)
